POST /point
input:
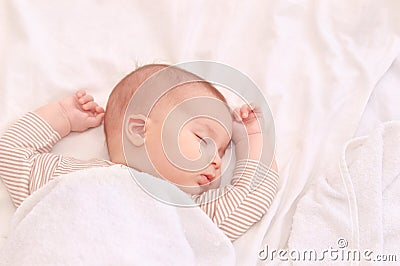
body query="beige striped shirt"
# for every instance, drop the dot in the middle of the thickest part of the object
(26, 165)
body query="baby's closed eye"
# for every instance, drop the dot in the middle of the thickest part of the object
(208, 140)
(201, 138)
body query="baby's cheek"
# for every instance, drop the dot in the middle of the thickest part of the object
(190, 149)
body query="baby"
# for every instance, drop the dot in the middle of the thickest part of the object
(135, 138)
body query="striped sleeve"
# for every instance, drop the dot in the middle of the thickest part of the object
(236, 207)
(26, 163)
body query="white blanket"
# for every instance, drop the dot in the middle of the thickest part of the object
(359, 207)
(100, 216)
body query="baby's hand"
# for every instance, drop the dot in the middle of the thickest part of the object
(82, 111)
(247, 120)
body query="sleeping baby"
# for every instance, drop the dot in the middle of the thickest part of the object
(138, 139)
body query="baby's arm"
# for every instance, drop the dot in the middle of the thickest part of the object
(238, 206)
(25, 161)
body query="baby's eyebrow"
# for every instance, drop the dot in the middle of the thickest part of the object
(210, 129)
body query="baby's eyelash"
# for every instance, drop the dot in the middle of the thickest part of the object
(200, 138)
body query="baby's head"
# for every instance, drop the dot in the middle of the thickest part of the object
(181, 137)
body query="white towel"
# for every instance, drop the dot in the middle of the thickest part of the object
(359, 205)
(100, 216)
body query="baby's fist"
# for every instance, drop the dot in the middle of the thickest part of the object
(247, 120)
(82, 111)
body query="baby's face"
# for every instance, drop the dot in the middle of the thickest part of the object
(200, 137)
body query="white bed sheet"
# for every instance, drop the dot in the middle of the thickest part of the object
(316, 62)
(383, 105)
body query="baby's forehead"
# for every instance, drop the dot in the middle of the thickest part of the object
(208, 123)
(199, 94)
(193, 90)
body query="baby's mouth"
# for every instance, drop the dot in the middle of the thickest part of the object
(206, 179)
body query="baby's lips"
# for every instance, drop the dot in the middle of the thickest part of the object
(205, 179)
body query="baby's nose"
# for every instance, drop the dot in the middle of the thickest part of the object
(217, 161)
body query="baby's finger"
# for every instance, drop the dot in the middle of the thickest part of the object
(99, 109)
(245, 110)
(80, 93)
(90, 106)
(85, 99)
(96, 120)
(256, 109)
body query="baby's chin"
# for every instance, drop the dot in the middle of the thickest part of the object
(198, 189)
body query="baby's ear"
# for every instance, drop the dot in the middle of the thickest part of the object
(135, 129)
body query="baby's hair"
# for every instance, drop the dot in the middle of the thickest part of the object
(122, 93)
